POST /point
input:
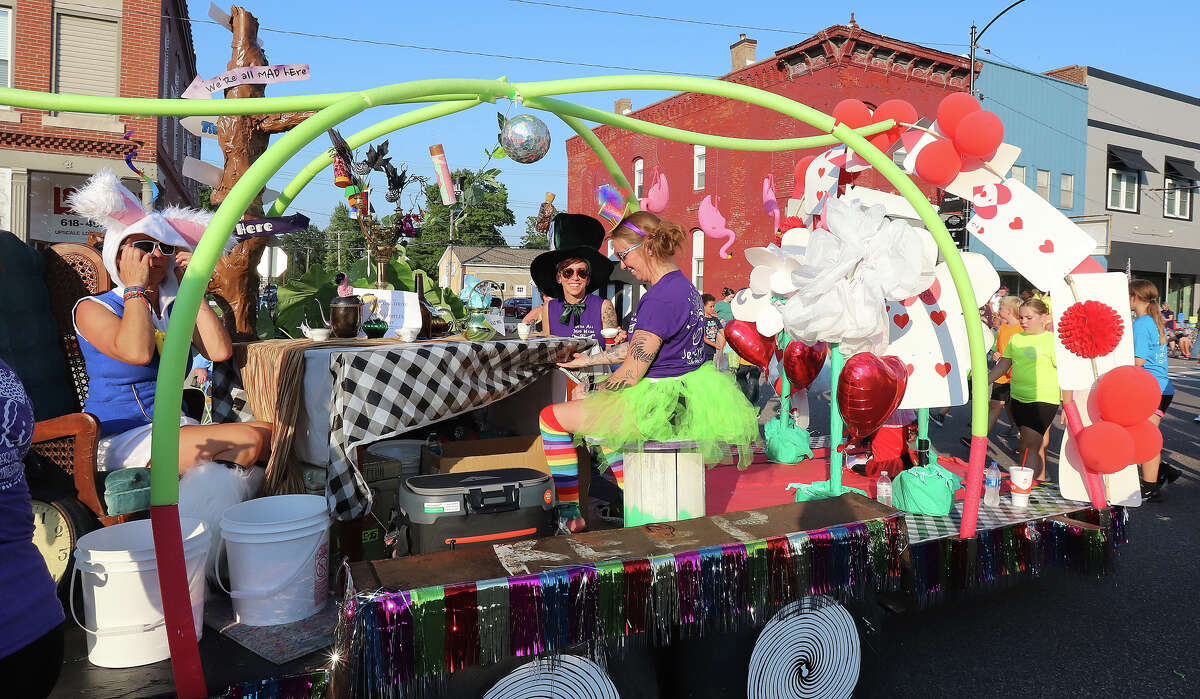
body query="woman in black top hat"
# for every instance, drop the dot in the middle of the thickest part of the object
(568, 276)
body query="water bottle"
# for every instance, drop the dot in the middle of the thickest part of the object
(991, 485)
(883, 489)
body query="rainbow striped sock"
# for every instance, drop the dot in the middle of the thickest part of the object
(616, 461)
(561, 458)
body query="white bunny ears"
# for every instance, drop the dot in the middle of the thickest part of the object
(103, 198)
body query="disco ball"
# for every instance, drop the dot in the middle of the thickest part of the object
(525, 138)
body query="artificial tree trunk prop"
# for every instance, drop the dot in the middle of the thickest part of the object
(243, 139)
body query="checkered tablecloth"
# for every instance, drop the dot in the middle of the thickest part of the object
(1043, 502)
(380, 394)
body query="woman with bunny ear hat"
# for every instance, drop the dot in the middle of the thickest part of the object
(121, 332)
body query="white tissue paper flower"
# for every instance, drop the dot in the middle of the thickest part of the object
(841, 282)
(770, 281)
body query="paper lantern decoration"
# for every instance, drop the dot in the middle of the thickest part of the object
(938, 163)
(525, 138)
(1105, 447)
(853, 113)
(1090, 329)
(749, 343)
(868, 391)
(341, 173)
(953, 108)
(979, 134)
(802, 363)
(1147, 441)
(1127, 395)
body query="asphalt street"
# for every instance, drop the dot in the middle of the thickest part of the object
(1135, 633)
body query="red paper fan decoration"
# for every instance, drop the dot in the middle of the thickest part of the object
(1090, 329)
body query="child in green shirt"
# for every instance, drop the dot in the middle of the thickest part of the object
(1035, 396)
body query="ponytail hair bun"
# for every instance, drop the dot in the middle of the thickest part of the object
(662, 238)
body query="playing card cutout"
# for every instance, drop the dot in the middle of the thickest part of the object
(933, 338)
(1110, 288)
(1121, 488)
(820, 181)
(975, 174)
(1027, 231)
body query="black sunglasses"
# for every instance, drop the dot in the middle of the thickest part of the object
(570, 272)
(147, 246)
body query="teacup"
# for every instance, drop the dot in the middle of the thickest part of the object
(319, 334)
(610, 335)
(523, 330)
(407, 334)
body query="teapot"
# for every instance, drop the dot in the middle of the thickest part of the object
(345, 315)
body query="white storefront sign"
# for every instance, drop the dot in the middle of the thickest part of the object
(50, 216)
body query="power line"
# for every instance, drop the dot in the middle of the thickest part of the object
(682, 20)
(415, 47)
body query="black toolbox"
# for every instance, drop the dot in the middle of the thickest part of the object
(444, 511)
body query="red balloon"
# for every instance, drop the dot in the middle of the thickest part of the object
(902, 112)
(979, 134)
(868, 391)
(952, 109)
(1105, 447)
(749, 343)
(779, 387)
(802, 363)
(853, 113)
(798, 176)
(1127, 395)
(1147, 441)
(939, 163)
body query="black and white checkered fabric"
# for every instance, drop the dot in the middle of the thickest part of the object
(229, 402)
(381, 394)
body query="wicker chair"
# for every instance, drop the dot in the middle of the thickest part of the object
(72, 272)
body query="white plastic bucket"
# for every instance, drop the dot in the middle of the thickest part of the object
(278, 553)
(122, 605)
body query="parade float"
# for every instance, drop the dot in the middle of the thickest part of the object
(902, 331)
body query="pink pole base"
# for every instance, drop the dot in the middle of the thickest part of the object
(974, 487)
(177, 602)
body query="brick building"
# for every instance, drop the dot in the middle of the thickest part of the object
(840, 62)
(126, 48)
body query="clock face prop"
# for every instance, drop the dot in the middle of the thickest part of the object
(52, 536)
(57, 525)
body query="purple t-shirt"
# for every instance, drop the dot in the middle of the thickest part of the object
(672, 310)
(28, 605)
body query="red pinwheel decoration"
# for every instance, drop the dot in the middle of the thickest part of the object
(1090, 329)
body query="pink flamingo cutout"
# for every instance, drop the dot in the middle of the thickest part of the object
(713, 224)
(770, 203)
(656, 199)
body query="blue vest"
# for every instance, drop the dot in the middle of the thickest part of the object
(120, 395)
(588, 325)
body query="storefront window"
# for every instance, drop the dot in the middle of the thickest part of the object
(50, 216)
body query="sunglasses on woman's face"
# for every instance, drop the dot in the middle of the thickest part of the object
(147, 246)
(622, 253)
(571, 272)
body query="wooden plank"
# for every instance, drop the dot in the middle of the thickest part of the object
(663, 486)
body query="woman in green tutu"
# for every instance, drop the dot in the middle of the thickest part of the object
(664, 390)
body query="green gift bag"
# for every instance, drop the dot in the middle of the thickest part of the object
(925, 490)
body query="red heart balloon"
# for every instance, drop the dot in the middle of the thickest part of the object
(869, 390)
(802, 363)
(749, 343)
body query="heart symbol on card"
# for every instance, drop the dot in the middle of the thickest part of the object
(938, 317)
(931, 295)
(820, 172)
(1016, 224)
(979, 230)
(942, 369)
(1047, 247)
(820, 196)
(900, 320)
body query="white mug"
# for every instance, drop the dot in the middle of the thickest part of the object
(523, 330)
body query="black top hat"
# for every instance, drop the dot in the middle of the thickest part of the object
(574, 235)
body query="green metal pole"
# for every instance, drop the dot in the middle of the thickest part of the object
(837, 361)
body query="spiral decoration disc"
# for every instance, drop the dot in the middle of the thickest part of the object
(562, 677)
(809, 649)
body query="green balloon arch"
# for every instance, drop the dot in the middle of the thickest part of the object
(444, 97)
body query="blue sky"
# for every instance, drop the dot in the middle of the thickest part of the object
(1144, 41)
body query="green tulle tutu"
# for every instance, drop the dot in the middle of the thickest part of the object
(703, 406)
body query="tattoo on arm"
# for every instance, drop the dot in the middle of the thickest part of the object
(608, 315)
(616, 355)
(641, 352)
(617, 381)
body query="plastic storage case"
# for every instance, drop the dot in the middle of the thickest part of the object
(443, 511)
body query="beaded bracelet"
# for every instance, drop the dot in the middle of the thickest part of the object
(135, 293)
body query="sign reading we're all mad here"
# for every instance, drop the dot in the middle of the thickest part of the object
(259, 75)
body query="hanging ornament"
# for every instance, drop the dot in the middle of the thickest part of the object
(525, 138)
(341, 173)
